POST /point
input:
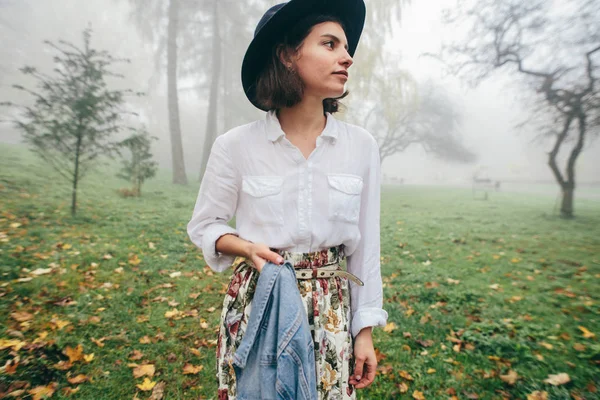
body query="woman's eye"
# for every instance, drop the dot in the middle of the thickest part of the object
(329, 44)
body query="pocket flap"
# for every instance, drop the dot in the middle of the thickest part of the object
(261, 186)
(346, 183)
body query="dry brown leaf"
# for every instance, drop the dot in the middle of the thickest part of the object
(136, 355)
(192, 369)
(579, 347)
(74, 354)
(134, 260)
(158, 391)
(196, 352)
(405, 375)
(63, 365)
(40, 392)
(144, 370)
(558, 379)
(510, 378)
(538, 395)
(403, 387)
(21, 316)
(145, 340)
(547, 345)
(418, 395)
(10, 368)
(173, 314)
(68, 391)
(78, 379)
(431, 371)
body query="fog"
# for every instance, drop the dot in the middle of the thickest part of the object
(490, 112)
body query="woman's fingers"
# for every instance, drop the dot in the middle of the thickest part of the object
(259, 263)
(358, 370)
(368, 376)
(275, 258)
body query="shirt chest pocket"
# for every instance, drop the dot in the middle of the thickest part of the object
(344, 197)
(265, 199)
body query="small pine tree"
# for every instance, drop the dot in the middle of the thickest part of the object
(74, 116)
(140, 166)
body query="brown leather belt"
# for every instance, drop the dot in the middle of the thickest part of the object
(328, 271)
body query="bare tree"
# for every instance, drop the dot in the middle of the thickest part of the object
(554, 52)
(161, 24)
(402, 113)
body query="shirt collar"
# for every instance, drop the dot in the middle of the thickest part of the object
(274, 131)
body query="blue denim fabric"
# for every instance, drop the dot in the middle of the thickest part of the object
(275, 359)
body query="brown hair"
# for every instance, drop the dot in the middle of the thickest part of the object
(278, 87)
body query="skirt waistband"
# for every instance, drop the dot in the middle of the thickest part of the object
(332, 255)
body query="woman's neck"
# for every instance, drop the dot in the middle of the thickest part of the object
(305, 120)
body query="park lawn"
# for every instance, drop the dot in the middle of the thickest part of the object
(486, 299)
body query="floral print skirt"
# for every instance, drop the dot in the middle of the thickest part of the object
(327, 305)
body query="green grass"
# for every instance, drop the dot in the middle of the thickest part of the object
(547, 270)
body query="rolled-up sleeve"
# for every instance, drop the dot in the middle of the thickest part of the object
(367, 301)
(215, 206)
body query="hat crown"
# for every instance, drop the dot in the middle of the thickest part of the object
(267, 17)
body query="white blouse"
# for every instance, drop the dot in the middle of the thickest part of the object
(296, 204)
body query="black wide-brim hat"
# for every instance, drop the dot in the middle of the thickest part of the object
(278, 19)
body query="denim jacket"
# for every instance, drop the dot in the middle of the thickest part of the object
(275, 359)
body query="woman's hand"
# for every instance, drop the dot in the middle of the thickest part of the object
(365, 361)
(260, 253)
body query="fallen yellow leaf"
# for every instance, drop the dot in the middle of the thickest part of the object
(389, 327)
(15, 344)
(146, 385)
(586, 334)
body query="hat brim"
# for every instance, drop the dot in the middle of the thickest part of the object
(350, 12)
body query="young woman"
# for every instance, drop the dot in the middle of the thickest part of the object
(304, 187)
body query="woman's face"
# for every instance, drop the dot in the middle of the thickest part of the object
(323, 61)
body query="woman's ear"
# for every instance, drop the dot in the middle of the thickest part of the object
(284, 56)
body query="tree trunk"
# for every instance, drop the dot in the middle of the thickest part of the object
(211, 119)
(76, 174)
(568, 186)
(566, 208)
(179, 176)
